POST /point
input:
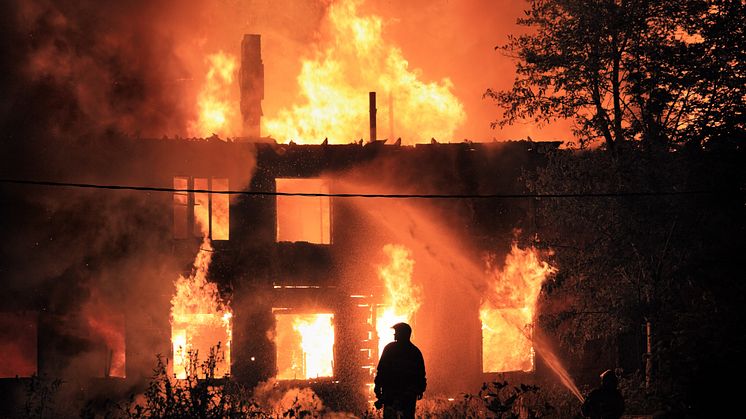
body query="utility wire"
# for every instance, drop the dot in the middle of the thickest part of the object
(367, 195)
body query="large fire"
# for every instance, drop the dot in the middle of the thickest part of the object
(402, 299)
(200, 320)
(216, 107)
(507, 313)
(336, 81)
(305, 346)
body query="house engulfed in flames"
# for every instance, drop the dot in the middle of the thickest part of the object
(293, 269)
(306, 287)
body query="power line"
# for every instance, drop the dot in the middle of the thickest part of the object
(367, 195)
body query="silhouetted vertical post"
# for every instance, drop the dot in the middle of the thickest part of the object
(648, 354)
(372, 97)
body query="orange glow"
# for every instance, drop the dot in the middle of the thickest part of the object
(18, 343)
(201, 208)
(200, 320)
(303, 218)
(305, 346)
(109, 328)
(217, 112)
(181, 203)
(335, 83)
(402, 299)
(220, 210)
(507, 314)
(212, 207)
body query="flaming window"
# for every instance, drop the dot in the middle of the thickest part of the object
(303, 218)
(201, 323)
(507, 312)
(305, 345)
(18, 335)
(206, 213)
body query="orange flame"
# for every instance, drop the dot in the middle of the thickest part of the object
(507, 314)
(307, 343)
(220, 208)
(403, 298)
(215, 102)
(200, 319)
(335, 85)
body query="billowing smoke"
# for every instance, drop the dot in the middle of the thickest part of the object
(84, 82)
(81, 70)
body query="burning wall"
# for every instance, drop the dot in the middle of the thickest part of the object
(440, 264)
(433, 247)
(98, 267)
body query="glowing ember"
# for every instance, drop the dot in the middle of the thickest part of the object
(403, 298)
(305, 346)
(508, 311)
(335, 84)
(216, 109)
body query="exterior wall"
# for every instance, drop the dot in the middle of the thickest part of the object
(251, 268)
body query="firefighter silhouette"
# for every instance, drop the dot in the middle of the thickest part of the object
(605, 402)
(400, 376)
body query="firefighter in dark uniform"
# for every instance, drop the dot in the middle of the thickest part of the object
(605, 402)
(400, 376)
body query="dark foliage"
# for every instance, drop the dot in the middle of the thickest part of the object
(661, 74)
(670, 260)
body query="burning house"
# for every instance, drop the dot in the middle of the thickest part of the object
(297, 276)
(291, 262)
(192, 209)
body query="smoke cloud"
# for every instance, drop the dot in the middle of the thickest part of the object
(83, 82)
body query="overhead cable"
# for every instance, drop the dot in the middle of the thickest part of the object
(375, 195)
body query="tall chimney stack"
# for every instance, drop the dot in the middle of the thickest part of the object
(251, 82)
